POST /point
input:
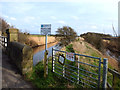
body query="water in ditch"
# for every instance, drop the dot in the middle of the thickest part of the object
(39, 56)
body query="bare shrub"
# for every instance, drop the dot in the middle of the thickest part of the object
(95, 39)
(23, 38)
(114, 46)
(66, 35)
(3, 26)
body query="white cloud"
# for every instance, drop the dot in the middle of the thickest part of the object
(53, 17)
(75, 17)
(62, 22)
(40, 1)
(94, 27)
(10, 24)
(84, 12)
(12, 18)
(56, 0)
(36, 24)
(5, 16)
(29, 19)
(112, 19)
(33, 26)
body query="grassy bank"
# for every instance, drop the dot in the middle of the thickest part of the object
(52, 80)
(89, 50)
(55, 81)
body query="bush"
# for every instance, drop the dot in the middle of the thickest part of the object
(69, 48)
(114, 46)
(95, 39)
(23, 38)
(65, 35)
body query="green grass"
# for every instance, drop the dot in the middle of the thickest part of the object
(52, 81)
(90, 51)
(69, 48)
(88, 46)
(55, 81)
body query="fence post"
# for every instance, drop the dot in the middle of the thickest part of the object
(45, 64)
(63, 70)
(53, 62)
(1, 41)
(78, 70)
(99, 72)
(114, 80)
(4, 41)
(119, 63)
(105, 68)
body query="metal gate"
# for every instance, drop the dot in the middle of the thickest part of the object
(86, 71)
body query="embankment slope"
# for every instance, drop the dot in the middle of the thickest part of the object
(40, 40)
(82, 47)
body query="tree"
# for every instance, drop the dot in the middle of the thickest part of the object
(3, 26)
(65, 35)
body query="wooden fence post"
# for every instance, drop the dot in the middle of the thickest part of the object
(114, 81)
(45, 64)
(4, 41)
(105, 69)
(63, 70)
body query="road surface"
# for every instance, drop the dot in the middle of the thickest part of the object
(10, 76)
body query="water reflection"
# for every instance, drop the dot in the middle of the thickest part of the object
(42, 47)
(39, 56)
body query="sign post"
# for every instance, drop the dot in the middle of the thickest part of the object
(45, 30)
(45, 42)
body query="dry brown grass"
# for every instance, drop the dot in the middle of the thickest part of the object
(80, 47)
(114, 63)
(23, 38)
(114, 46)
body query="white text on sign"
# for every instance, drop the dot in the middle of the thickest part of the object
(45, 29)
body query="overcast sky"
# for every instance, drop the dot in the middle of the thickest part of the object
(82, 15)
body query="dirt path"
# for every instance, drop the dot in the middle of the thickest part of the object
(10, 76)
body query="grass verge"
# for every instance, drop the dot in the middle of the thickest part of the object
(52, 81)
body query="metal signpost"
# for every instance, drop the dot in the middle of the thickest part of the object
(45, 30)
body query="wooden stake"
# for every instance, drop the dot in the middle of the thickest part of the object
(45, 64)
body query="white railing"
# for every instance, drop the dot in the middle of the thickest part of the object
(3, 41)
